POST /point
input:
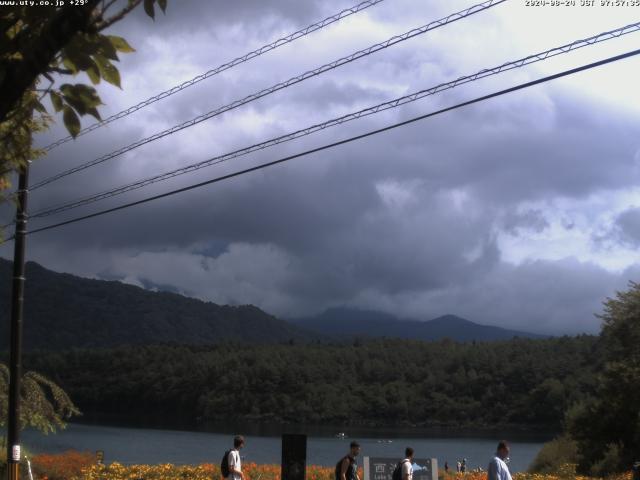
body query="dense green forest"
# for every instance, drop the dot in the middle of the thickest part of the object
(375, 382)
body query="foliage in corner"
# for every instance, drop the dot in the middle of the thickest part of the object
(43, 404)
(42, 46)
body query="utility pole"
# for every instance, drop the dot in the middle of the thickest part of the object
(17, 302)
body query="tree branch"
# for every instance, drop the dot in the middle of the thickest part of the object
(46, 90)
(118, 16)
(63, 71)
(107, 6)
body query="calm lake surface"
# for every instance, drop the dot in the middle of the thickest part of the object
(150, 446)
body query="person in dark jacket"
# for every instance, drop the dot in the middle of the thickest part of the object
(349, 464)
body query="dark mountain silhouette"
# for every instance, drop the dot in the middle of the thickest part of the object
(64, 311)
(350, 322)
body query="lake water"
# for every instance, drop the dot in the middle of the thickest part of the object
(150, 446)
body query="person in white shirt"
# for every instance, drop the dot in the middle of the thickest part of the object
(407, 464)
(498, 469)
(235, 464)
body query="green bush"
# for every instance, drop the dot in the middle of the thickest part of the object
(610, 462)
(554, 455)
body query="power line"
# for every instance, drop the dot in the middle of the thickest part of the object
(345, 141)
(221, 68)
(267, 91)
(537, 57)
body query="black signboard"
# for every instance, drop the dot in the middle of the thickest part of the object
(294, 457)
(378, 468)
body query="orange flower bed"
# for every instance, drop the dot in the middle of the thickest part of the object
(61, 466)
(567, 472)
(81, 466)
(206, 471)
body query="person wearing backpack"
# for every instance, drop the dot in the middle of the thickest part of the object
(347, 466)
(231, 465)
(404, 468)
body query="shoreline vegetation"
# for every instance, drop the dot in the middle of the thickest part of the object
(75, 465)
(400, 383)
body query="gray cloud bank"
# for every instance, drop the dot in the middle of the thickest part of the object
(409, 221)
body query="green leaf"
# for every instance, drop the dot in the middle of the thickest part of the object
(94, 73)
(81, 97)
(71, 97)
(163, 5)
(120, 44)
(107, 49)
(94, 113)
(108, 72)
(88, 44)
(75, 59)
(88, 95)
(56, 100)
(148, 8)
(39, 107)
(71, 121)
(77, 105)
(67, 62)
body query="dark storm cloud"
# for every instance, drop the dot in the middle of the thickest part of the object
(211, 14)
(341, 237)
(490, 164)
(408, 221)
(540, 296)
(515, 156)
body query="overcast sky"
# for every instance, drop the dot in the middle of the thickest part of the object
(522, 211)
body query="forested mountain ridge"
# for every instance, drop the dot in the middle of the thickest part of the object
(64, 311)
(519, 382)
(348, 322)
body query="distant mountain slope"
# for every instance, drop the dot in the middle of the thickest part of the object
(64, 311)
(349, 322)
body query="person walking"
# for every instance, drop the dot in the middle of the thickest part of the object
(407, 464)
(235, 464)
(463, 465)
(498, 469)
(347, 466)
(446, 467)
(458, 466)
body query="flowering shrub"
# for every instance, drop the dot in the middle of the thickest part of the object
(81, 466)
(206, 471)
(566, 472)
(61, 466)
